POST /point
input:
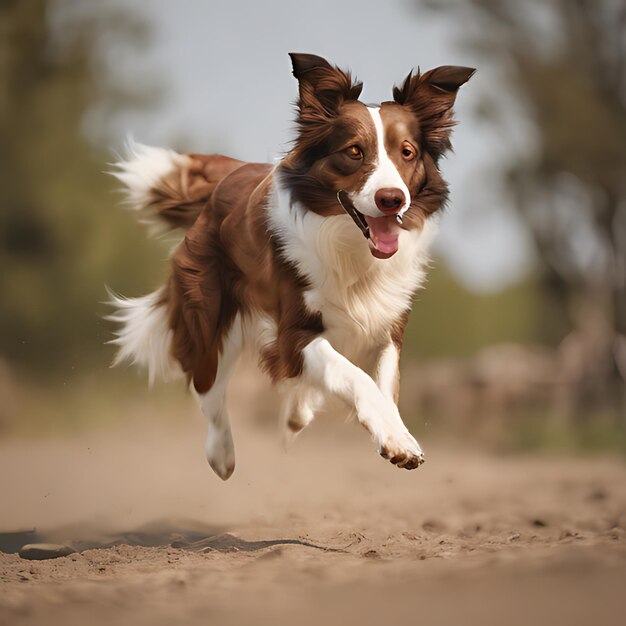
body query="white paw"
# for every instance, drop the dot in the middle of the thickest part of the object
(401, 449)
(220, 453)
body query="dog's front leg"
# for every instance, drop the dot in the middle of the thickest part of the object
(388, 372)
(333, 373)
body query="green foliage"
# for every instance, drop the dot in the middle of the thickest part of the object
(597, 432)
(61, 235)
(102, 398)
(450, 321)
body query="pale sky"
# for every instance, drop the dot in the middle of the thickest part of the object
(228, 87)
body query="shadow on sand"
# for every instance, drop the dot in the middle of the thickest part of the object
(185, 535)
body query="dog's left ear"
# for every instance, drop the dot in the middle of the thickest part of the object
(431, 96)
(322, 87)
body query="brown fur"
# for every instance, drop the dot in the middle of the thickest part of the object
(227, 264)
(178, 198)
(430, 97)
(429, 191)
(317, 168)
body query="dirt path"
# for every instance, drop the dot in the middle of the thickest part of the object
(469, 538)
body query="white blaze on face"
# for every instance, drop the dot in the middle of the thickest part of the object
(384, 176)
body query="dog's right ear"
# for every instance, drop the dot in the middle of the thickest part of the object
(303, 63)
(431, 97)
(322, 87)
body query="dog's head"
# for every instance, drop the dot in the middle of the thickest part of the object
(382, 159)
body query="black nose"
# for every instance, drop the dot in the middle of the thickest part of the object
(389, 200)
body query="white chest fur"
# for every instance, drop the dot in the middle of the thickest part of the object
(360, 297)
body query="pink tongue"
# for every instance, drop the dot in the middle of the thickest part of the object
(384, 233)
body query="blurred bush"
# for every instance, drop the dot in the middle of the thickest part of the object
(448, 320)
(564, 63)
(61, 235)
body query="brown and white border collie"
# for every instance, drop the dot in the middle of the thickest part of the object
(313, 261)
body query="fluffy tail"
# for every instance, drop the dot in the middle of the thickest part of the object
(145, 337)
(169, 189)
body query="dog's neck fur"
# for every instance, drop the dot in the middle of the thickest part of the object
(360, 297)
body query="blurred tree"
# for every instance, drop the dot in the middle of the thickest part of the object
(565, 61)
(61, 237)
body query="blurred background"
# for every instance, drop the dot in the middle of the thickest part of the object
(519, 339)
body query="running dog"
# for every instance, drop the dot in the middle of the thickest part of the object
(312, 261)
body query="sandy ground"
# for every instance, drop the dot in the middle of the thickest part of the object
(325, 533)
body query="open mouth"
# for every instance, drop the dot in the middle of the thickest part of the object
(384, 233)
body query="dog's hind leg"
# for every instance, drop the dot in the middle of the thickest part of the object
(300, 403)
(219, 447)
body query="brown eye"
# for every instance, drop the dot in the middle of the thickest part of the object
(354, 152)
(408, 152)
